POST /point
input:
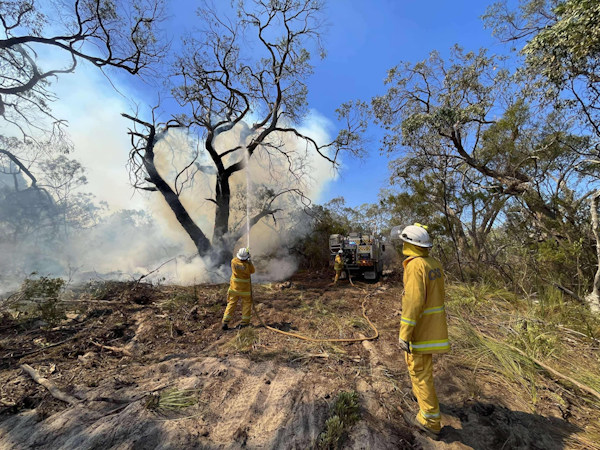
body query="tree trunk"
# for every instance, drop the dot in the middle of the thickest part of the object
(222, 247)
(593, 298)
(223, 197)
(194, 232)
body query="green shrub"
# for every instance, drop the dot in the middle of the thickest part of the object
(44, 293)
(344, 414)
(330, 438)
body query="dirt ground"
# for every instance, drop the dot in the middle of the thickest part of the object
(251, 388)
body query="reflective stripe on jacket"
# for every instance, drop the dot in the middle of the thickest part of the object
(423, 321)
(240, 283)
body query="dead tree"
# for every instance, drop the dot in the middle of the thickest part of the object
(222, 89)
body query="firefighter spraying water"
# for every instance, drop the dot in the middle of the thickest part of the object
(240, 284)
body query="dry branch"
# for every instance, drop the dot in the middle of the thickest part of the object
(56, 393)
(33, 352)
(150, 273)
(311, 355)
(123, 351)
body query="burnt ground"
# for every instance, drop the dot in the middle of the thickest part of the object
(251, 388)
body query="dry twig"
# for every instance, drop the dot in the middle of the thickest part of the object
(33, 352)
(56, 392)
(123, 351)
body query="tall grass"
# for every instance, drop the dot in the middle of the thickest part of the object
(480, 352)
(485, 322)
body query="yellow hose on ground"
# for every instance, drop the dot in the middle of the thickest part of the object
(305, 338)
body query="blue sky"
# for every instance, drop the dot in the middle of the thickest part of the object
(364, 39)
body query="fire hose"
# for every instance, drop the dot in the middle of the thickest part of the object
(306, 338)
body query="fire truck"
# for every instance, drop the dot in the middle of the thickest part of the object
(362, 254)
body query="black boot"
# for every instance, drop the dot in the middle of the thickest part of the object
(224, 327)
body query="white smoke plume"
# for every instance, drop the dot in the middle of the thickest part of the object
(126, 244)
(270, 239)
(138, 232)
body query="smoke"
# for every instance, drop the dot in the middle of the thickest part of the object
(137, 232)
(129, 243)
(287, 166)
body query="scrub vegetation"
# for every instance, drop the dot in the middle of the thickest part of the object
(498, 155)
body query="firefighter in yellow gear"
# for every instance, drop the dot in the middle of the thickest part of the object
(423, 327)
(338, 265)
(240, 287)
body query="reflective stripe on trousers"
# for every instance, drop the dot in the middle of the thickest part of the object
(408, 321)
(242, 293)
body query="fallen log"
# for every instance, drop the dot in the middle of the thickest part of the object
(56, 392)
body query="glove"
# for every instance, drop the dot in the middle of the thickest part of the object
(404, 345)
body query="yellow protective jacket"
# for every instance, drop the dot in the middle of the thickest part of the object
(338, 264)
(423, 321)
(240, 283)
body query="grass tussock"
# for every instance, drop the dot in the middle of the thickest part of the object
(482, 353)
(486, 324)
(172, 400)
(244, 341)
(470, 298)
(180, 300)
(343, 414)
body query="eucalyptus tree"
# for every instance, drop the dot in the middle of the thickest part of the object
(245, 78)
(560, 43)
(472, 143)
(42, 202)
(40, 41)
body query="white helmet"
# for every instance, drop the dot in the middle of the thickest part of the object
(340, 251)
(243, 253)
(417, 235)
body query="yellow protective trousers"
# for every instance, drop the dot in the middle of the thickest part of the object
(337, 276)
(420, 368)
(232, 301)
